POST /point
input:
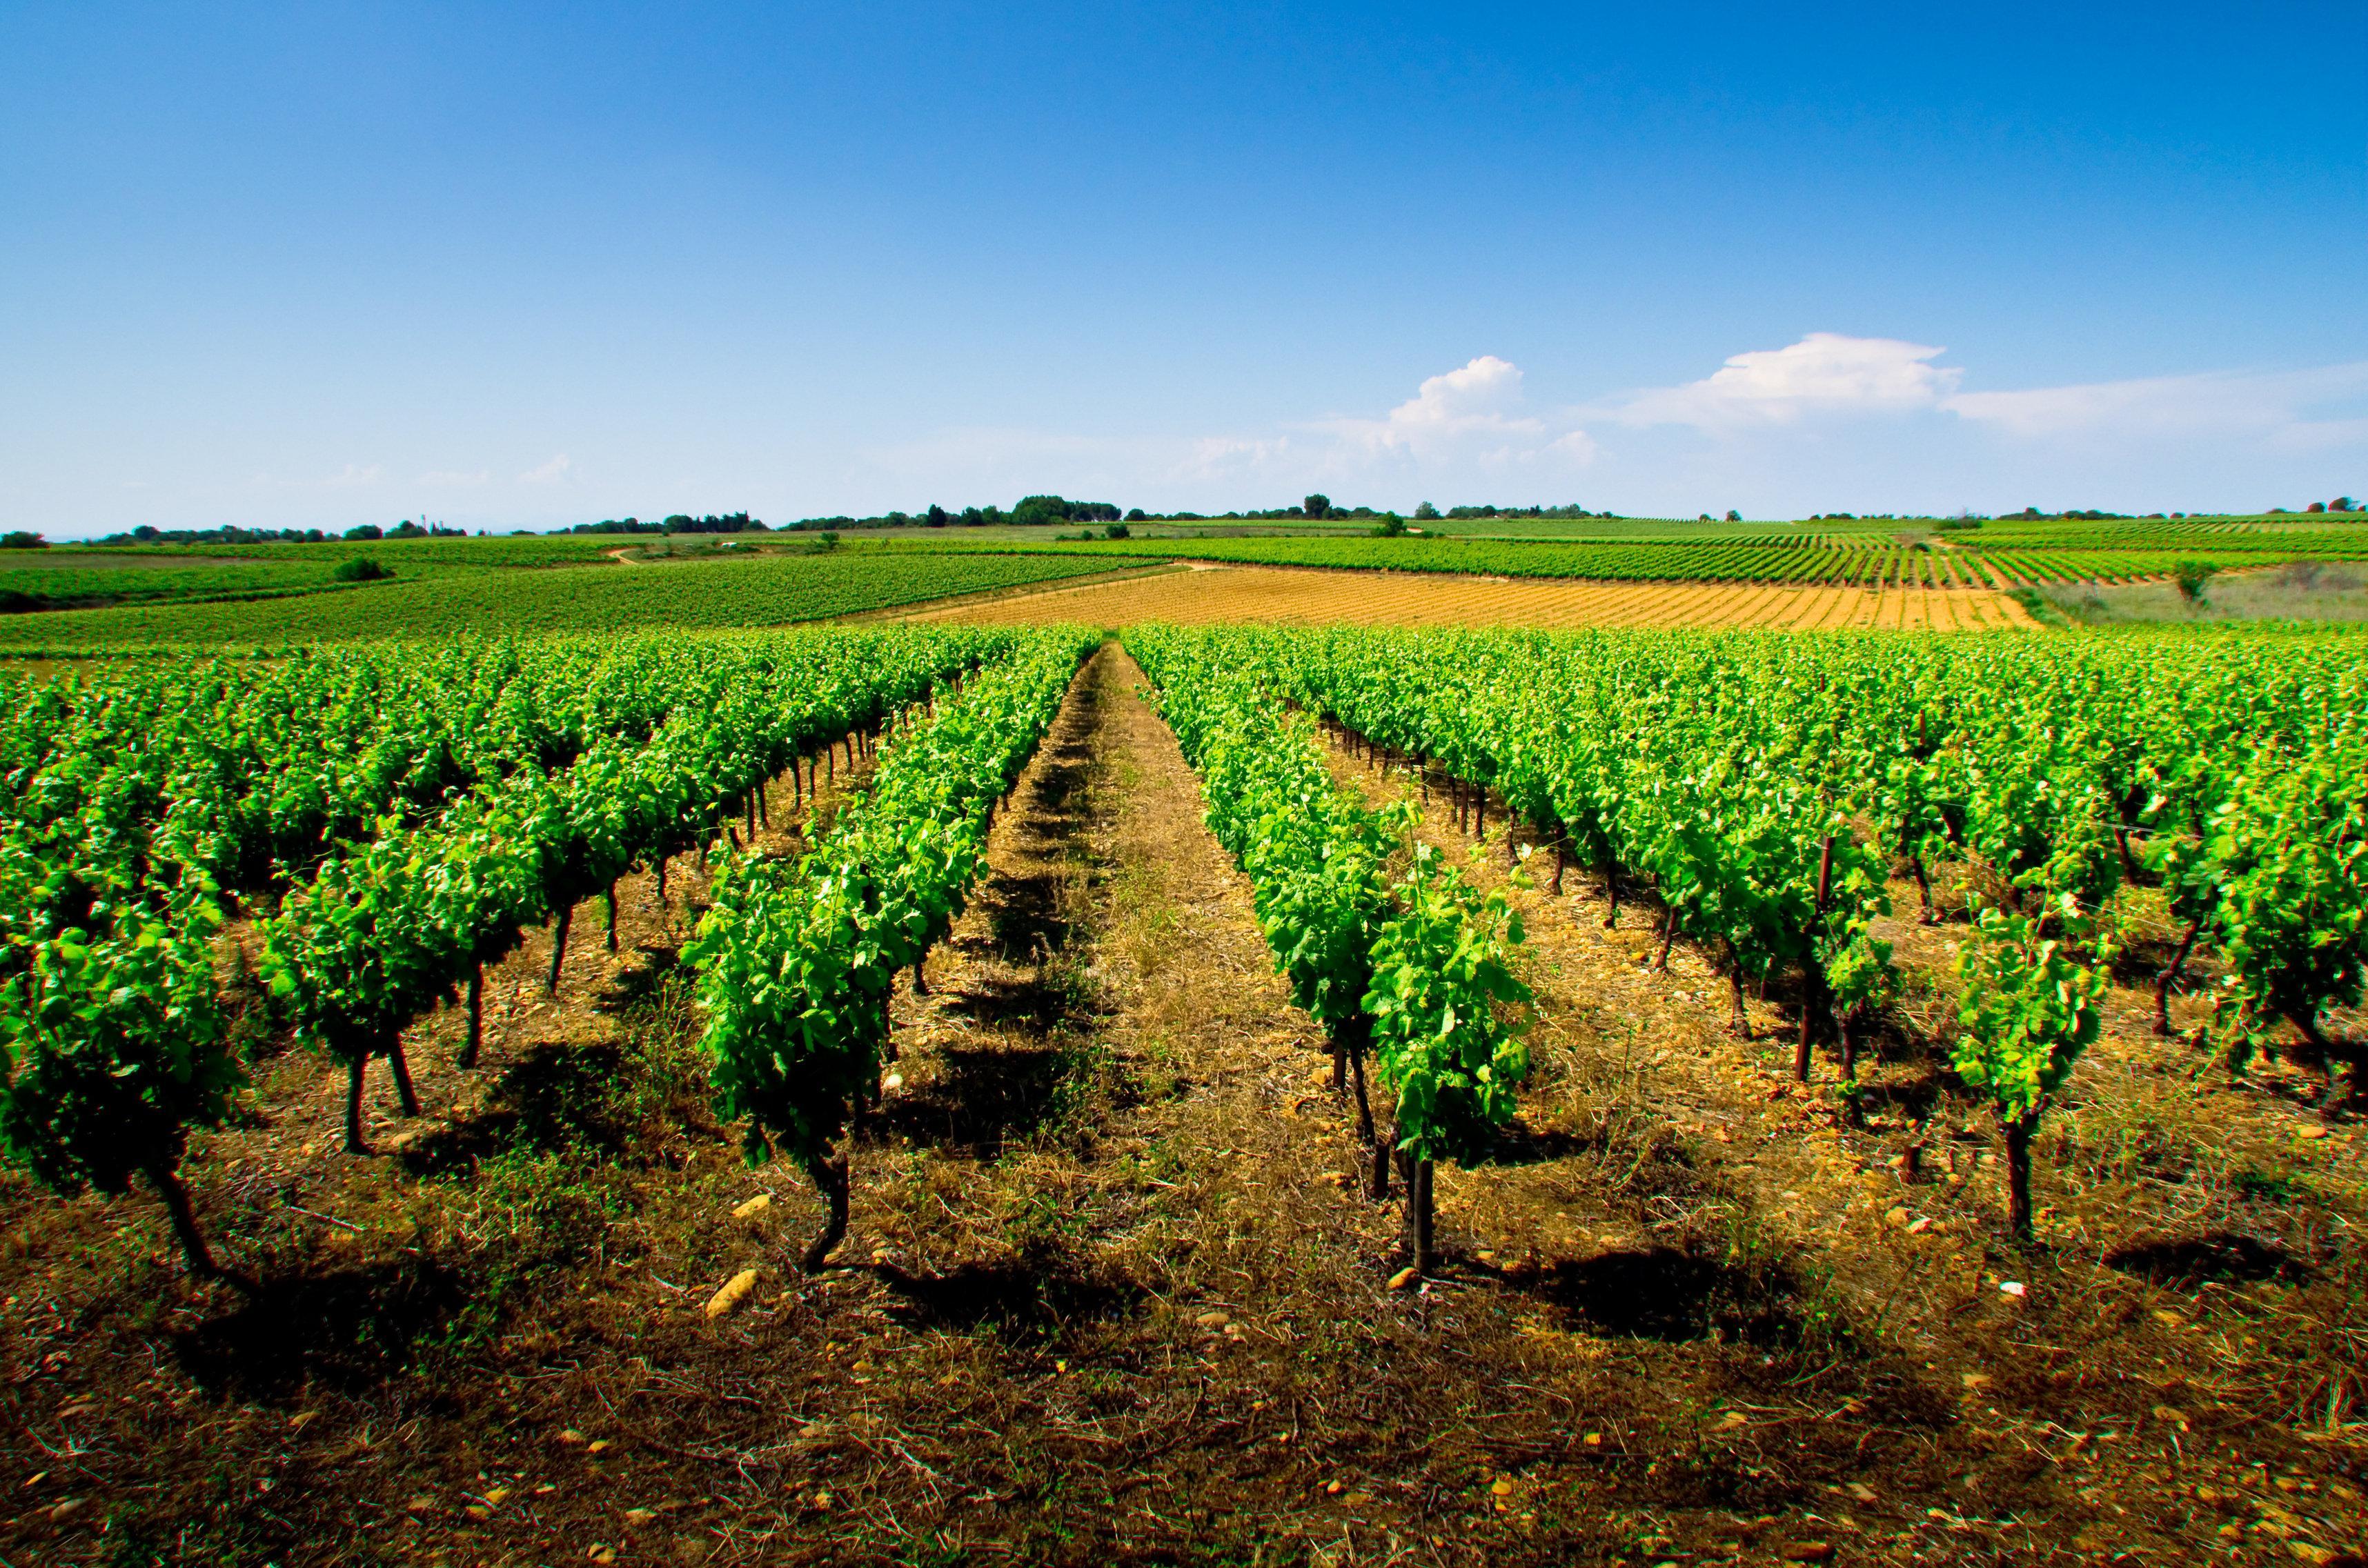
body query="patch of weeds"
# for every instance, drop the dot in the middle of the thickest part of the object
(663, 1075)
(528, 1215)
(1089, 1083)
(613, 1103)
(1036, 1222)
(2114, 1149)
(2256, 1185)
(129, 1540)
(2042, 610)
(1718, 1478)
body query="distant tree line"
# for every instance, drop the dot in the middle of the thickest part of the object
(230, 533)
(680, 523)
(1032, 511)
(1426, 511)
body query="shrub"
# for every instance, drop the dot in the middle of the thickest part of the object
(19, 539)
(361, 569)
(2191, 576)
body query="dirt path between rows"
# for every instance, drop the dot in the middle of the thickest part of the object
(1109, 1293)
(2110, 1327)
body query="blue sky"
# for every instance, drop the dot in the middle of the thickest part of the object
(524, 267)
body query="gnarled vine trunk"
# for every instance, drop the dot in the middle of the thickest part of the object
(831, 1176)
(2018, 1132)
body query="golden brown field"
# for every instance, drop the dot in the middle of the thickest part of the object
(1307, 595)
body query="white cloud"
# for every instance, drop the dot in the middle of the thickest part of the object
(1468, 420)
(353, 476)
(2274, 407)
(1830, 376)
(1472, 407)
(448, 477)
(1478, 395)
(1579, 447)
(1829, 420)
(1824, 373)
(550, 472)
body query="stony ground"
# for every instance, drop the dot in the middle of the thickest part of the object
(1112, 1293)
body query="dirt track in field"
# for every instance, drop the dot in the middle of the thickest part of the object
(1301, 596)
(2141, 1313)
(1109, 1293)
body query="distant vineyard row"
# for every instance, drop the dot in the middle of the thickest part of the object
(1757, 793)
(770, 591)
(1810, 559)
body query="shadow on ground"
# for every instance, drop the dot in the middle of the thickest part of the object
(347, 1330)
(2190, 1261)
(1031, 1296)
(979, 1099)
(1662, 1293)
(553, 1097)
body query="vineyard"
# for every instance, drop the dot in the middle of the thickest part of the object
(453, 600)
(1224, 1093)
(1305, 596)
(2016, 557)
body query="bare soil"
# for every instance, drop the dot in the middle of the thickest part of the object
(2177, 1367)
(1112, 1293)
(1309, 596)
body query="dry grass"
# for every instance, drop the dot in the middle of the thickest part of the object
(2188, 1344)
(1109, 1298)
(1307, 596)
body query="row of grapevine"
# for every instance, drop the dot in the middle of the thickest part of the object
(797, 957)
(109, 1008)
(243, 772)
(381, 934)
(1416, 966)
(1763, 789)
(771, 590)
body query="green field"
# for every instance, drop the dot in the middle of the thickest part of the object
(772, 590)
(72, 600)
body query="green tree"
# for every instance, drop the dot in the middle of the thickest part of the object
(2192, 576)
(21, 539)
(1316, 505)
(1036, 511)
(1426, 512)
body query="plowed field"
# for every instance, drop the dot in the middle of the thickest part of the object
(1394, 598)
